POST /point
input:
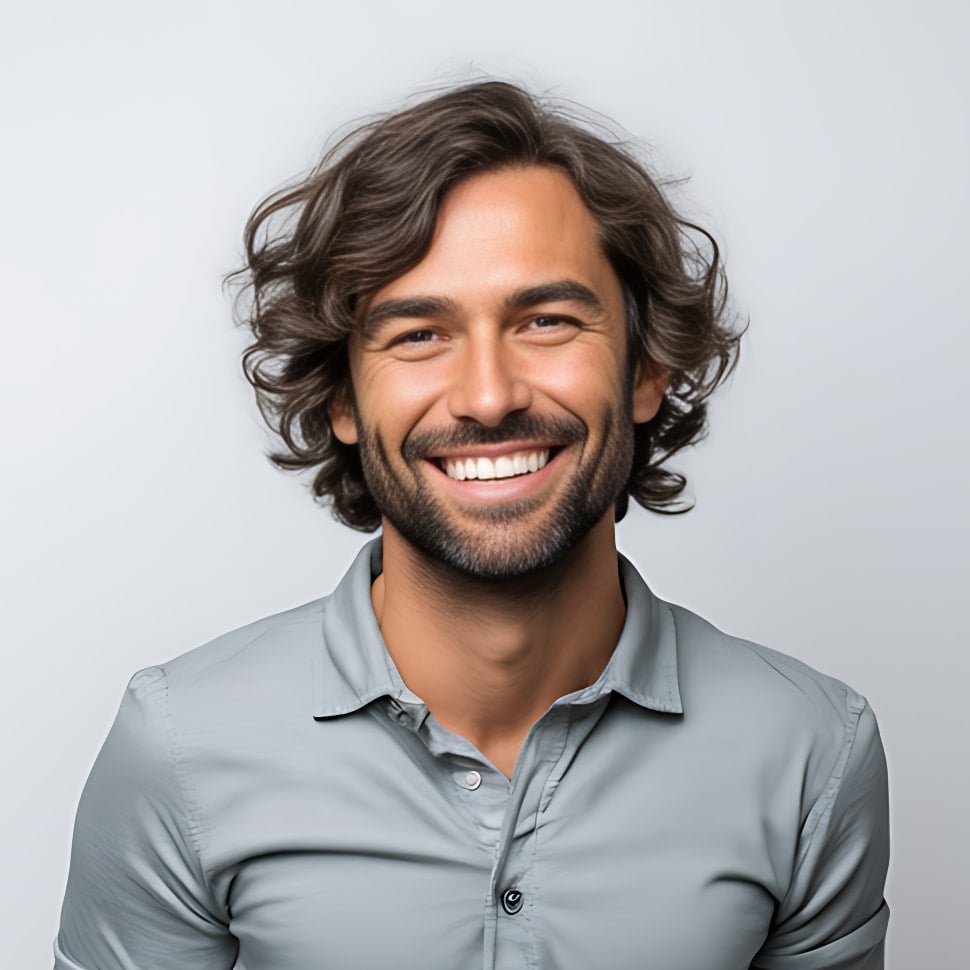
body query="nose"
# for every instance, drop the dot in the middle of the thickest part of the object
(488, 384)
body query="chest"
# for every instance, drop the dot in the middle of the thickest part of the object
(624, 857)
(664, 903)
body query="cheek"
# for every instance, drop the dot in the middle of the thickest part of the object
(586, 385)
(405, 387)
(392, 400)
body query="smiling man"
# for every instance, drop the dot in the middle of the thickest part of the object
(492, 745)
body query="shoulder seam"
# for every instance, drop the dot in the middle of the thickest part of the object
(181, 773)
(822, 808)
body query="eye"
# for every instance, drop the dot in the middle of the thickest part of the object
(416, 337)
(551, 327)
(548, 320)
(417, 344)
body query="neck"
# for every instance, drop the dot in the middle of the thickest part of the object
(490, 657)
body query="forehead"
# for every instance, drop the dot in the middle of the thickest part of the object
(504, 230)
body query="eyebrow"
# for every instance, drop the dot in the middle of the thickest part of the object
(406, 307)
(569, 291)
(416, 307)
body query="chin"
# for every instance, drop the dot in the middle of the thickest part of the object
(496, 552)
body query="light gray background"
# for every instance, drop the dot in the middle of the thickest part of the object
(828, 149)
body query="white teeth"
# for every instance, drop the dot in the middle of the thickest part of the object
(505, 466)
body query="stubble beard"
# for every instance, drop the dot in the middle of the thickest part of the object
(511, 539)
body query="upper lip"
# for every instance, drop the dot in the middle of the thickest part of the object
(493, 451)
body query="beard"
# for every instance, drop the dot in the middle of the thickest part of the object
(511, 539)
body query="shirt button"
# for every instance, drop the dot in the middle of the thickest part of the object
(399, 714)
(511, 901)
(472, 780)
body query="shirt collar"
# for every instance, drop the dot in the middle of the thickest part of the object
(354, 667)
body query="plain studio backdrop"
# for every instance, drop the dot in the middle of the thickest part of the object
(827, 149)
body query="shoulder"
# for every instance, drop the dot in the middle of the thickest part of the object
(743, 672)
(245, 675)
(777, 707)
(269, 638)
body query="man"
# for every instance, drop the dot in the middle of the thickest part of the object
(492, 745)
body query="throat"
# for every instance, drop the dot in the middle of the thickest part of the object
(489, 657)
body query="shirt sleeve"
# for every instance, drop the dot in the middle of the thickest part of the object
(834, 915)
(137, 894)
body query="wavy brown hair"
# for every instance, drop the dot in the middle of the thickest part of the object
(317, 249)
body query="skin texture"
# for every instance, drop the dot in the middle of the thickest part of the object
(499, 597)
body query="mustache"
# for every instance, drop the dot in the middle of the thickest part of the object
(515, 427)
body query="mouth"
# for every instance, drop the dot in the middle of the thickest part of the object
(474, 466)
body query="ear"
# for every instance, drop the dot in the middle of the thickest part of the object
(343, 419)
(648, 391)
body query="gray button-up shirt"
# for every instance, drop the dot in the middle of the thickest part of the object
(278, 799)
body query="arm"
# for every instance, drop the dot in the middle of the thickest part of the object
(137, 893)
(834, 916)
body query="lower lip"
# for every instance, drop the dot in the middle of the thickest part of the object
(500, 489)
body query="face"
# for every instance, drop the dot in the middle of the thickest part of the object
(494, 408)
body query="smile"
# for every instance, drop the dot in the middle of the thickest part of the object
(462, 468)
